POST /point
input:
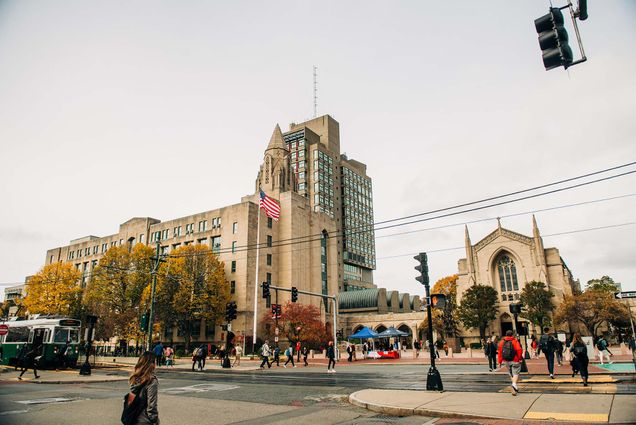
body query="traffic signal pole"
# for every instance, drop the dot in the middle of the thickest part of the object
(151, 316)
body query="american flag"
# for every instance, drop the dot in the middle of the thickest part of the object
(271, 207)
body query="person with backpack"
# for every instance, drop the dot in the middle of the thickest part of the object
(580, 361)
(511, 353)
(558, 350)
(141, 403)
(30, 360)
(195, 357)
(158, 352)
(276, 356)
(547, 346)
(289, 353)
(491, 352)
(203, 354)
(265, 353)
(601, 345)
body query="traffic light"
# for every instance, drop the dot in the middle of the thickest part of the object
(553, 40)
(422, 268)
(294, 293)
(278, 310)
(274, 310)
(265, 289)
(438, 301)
(143, 322)
(230, 311)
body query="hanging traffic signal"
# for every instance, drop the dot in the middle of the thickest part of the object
(294, 293)
(265, 289)
(278, 310)
(553, 40)
(422, 258)
(274, 310)
(230, 311)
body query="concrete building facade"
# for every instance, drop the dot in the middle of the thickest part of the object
(322, 243)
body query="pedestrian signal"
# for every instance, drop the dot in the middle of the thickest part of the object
(438, 301)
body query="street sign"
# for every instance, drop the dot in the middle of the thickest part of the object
(276, 331)
(4, 329)
(275, 339)
(625, 294)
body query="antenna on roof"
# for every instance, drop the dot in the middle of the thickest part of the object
(315, 91)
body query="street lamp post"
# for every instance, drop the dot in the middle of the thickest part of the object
(90, 321)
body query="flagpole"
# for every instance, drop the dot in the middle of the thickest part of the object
(258, 239)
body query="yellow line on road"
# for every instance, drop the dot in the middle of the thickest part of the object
(568, 416)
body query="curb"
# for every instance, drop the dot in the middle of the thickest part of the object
(404, 411)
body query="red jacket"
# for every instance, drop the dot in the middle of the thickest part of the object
(515, 345)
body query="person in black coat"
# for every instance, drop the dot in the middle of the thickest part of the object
(29, 361)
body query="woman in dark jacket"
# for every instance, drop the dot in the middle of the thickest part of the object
(144, 383)
(579, 357)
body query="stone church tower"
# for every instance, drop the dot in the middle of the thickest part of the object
(507, 260)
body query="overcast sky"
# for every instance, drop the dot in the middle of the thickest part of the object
(110, 110)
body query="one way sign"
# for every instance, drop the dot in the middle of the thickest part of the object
(625, 294)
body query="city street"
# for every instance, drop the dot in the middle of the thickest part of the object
(277, 395)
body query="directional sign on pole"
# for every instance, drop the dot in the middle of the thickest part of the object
(625, 294)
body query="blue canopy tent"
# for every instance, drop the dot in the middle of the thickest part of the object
(364, 333)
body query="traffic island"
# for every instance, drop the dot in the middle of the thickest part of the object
(607, 408)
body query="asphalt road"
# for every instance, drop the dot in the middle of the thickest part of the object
(274, 396)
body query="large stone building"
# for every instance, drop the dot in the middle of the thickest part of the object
(323, 242)
(507, 260)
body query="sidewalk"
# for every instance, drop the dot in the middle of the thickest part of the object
(9, 375)
(602, 408)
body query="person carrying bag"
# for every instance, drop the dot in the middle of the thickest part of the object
(140, 404)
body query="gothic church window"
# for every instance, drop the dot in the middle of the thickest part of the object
(507, 274)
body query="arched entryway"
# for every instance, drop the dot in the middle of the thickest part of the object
(380, 328)
(506, 323)
(407, 339)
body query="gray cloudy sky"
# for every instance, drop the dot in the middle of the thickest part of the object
(110, 110)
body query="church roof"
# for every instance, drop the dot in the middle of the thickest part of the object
(500, 231)
(276, 141)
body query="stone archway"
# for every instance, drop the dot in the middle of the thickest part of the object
(408, 339)
(506, 323)
(380, 328)
(357, 329)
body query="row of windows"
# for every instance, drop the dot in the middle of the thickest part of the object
(189, 229)
(94, 250)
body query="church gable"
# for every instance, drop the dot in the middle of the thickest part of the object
(505, 233)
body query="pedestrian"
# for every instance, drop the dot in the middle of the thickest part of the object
(558, 350)
(195, 357)
(446, 348)
(601, 345)
(276, 356)
(61, 356)
(580, 361)
(331, 355)
(511, 353)
(349, 352)
(265, 353)
(305, 352)
(203, 354)
(238, 351)
(491, 353)
(534, 345)
(158, 352)
(30, 360)
(365, 350)
(547, 346)
(168, 354)
(145, 385)
(20, 355)
(298, 350)
(289, 353)
(417, 346)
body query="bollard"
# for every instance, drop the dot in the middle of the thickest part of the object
(450, 352)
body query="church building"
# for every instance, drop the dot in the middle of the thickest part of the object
(507, 260)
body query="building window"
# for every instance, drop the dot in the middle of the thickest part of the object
(202, 240)
(233, 247)
(234, 227)
(269, 222)
(176, 232)
(269, 259)
(233, 267)
(95, 249)
(507, 274)
(164, 234)
(142, 238)
(269, 278)
(269, 241)
(216, 244)
(232, 287)
(189, 228)
(203, 224)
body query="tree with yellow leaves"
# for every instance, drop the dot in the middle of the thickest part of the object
(445, 320)
(54, 290)
(191, 287)
(115, 291)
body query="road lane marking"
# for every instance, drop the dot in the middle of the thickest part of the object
(569, 416)
(13, 412)
(48, 400)
(199, 388)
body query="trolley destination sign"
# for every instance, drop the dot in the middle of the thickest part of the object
(625, 294)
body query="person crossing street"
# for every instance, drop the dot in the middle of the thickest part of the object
(511, 353)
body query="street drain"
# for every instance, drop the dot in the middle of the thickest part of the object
(386, 418)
